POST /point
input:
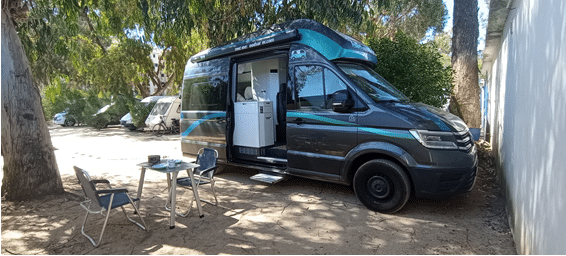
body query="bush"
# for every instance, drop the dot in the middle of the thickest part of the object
(139, 112)
(113, 114)
(415, 69)
(58, 97)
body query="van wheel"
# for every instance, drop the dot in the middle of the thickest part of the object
(382, 186)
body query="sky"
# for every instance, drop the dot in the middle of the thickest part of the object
(482, 16)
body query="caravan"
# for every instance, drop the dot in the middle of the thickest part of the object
(301, 99)
(127, 122)
(165, 114)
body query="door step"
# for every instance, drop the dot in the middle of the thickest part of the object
(272, 160)
(268, 177)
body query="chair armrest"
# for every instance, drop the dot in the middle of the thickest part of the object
(112, 191)
(208, 170)
(100, 181)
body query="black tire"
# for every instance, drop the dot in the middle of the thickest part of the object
(382, 186)
(69, 122)
(159, 129)
(175, 130)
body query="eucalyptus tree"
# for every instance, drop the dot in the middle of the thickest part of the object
(30, 168)
(465, 100)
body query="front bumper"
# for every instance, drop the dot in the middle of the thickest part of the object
(128, 125)
(59, 120)
(455, 175)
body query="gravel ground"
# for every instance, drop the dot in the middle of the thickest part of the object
(295, 216)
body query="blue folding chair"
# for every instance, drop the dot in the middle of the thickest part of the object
(104, 200)
(207, 160)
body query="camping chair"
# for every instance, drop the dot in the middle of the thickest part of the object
(207, 159)
(105, 200)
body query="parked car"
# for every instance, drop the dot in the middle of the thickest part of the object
(61, 119)
(106, 117)
(126, 120)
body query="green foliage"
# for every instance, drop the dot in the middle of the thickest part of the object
(118, 108)
(58, 97)
(384, 18)
(415, 69)
(106, 45)
(139, 112)
(443, 43)
(83, 105)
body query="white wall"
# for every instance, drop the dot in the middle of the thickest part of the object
(528, 123)
(268, 82)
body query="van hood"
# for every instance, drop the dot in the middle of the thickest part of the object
(427, 117)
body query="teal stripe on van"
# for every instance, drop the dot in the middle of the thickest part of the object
(200, 121)
(400, 135)
(388, 133)
(319, 118)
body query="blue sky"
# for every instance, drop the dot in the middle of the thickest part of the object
(482, 15)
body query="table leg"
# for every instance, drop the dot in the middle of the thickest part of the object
(168, 180)
(140, 187)
(195, 193)
(173, 195)
(168, 202)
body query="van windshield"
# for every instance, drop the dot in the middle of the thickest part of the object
(375, 86)
(160, 108)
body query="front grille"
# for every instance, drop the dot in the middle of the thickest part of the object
(464, 140)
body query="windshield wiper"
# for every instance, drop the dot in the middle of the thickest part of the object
(389, 100)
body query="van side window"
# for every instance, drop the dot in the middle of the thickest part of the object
(332, 84)
(204, 95)
(315, 87)
(309, 87)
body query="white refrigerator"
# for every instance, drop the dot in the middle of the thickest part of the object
(254, 124)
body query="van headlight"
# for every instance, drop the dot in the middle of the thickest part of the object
(437, 140)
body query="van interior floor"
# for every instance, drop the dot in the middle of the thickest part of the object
(271, 155)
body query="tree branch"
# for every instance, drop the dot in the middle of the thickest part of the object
(91, 27)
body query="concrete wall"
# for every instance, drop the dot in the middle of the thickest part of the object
(527, 83)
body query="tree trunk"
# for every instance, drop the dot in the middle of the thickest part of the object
(465, 100)
(30, 167)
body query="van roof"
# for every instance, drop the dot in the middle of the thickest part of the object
(330, 43)
(167, 99)
(151, 99)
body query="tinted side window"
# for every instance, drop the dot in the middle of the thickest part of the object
(315, 87)
(204, 95)
(309, 87)
(332, 84)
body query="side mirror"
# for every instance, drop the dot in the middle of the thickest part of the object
(342, 101)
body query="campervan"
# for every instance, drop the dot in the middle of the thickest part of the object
(166, 109)
(126, 120)
(301, 99)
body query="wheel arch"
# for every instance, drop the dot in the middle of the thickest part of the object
(376, 150)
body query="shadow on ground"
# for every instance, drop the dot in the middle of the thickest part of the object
(295, 216)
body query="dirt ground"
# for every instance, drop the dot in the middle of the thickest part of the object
(295, 216)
